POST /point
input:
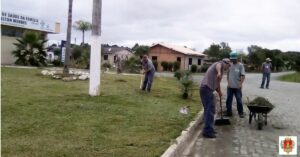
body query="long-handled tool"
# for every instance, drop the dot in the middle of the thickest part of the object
(141, 84)
(222, 120)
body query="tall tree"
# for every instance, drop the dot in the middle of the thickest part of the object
(95, 59)
(256, 56)
(140, 50)
(68, 42)
(82, 26)
(213, 51)
(225, 50)
(30, 50)
(218, 51)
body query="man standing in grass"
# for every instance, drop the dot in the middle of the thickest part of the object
(235, 79)
(149, 72)
(210, 83)
(266, 71)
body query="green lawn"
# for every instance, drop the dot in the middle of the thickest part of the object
(295, 77)
(46, 117)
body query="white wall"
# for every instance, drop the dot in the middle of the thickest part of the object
(194, 61)
(7, 47)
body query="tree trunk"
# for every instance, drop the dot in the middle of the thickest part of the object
(82, 37)
(95, 58)
(68, 42)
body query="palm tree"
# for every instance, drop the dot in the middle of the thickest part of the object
(68, 42)
(82, 26)
(30, 50)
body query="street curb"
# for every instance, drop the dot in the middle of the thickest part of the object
(182, 144)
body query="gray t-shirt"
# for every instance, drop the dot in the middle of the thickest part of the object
(234, 75)
(210, 78)
(149, 65)
(266, 67)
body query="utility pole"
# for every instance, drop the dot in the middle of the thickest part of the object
(95, 58)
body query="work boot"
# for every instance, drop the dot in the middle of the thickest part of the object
(209, 135)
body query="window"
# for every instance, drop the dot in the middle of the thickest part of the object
(105, 57)
(154, 58)
(50, 57)
(11, 32)
(190, 61)
(199, 61)
(115, 58)
(178, 59)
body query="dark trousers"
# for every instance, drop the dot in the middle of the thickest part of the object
(265, 76)
(147, 84)
(237, 92)
(207, 99)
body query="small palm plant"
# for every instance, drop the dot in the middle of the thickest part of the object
(187, 84)
(30, 50)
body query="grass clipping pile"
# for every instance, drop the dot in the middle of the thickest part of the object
(260, 101)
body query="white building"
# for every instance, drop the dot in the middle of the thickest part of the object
(13, 25)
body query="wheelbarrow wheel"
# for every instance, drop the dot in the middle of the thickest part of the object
(259, 126)
(250, 118)
(260, 121)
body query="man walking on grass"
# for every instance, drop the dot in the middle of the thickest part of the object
(210, 83)
(235, 79)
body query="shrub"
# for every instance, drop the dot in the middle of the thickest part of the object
(297, 65)
(194, 68)
(165, 65)
(30, 49)
(57, 62)
(176, 66)
(170, 66)
(106, 65)
(178, 74)
(132, 65)
(204, 68)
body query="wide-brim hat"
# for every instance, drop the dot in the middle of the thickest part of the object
(268, 59)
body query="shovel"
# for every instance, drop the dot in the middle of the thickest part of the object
(222, 120)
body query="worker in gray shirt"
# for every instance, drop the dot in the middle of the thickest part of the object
(210, 83)
(149, 71)
(235, 79)
(266, 71)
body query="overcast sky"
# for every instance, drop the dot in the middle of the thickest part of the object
(273, 24)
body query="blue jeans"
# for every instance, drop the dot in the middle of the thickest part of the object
(238, 96)
(207, 99)
(265, 76)
(148, 80)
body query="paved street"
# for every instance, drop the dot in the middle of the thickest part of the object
(242, 139)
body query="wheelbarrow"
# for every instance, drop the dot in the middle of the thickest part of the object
(260, 114)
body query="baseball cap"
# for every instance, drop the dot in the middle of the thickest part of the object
(226, 60)
(233, 55)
